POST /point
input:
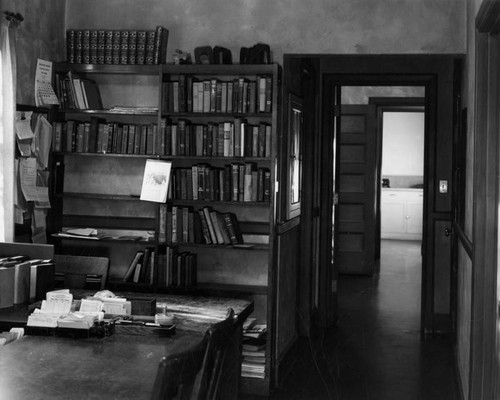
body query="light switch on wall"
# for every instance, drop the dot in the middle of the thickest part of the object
(443, 186)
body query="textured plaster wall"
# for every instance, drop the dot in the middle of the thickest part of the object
(40, 35)
(288, 26)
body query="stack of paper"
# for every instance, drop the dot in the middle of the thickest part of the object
(57, 304)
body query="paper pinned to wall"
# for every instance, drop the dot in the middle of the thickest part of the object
(44, 93)
(27, 173)
(23, 125)
(43, 141)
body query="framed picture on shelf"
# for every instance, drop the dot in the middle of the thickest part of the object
(156, 180)
(294, 153)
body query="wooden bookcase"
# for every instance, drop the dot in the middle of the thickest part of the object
(100, 190)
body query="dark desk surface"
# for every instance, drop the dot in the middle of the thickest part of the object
(116, 367)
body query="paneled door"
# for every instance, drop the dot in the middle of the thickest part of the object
(357, 188)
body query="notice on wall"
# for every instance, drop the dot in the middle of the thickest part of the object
(44, 93)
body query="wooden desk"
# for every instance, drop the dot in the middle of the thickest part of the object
(115, 367)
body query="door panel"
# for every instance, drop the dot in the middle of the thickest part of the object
(357, 177)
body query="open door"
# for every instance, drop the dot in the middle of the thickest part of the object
(357, 174)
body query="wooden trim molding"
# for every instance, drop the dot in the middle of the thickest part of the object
(488, 17)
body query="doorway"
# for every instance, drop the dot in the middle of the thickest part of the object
(317, 78)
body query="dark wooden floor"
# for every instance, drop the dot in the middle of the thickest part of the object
(376, 352)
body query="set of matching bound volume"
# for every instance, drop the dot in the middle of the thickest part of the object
(177, 268)
(204, 226)
(239, 182)
(240, 95)
(128, 47)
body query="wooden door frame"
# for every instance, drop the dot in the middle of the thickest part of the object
(389, 104)
(436, 73)
(484, 366)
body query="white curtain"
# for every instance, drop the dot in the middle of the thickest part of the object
(7, 139)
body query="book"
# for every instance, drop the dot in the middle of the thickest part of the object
(233, 228)
(91, 94)
(42, 278)
(160, 45)
(7, 284)
(156, 180)
(131, 269)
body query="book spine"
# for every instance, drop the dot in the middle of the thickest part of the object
(86, 46)
(101, 45)
(141, 47)
(93, 46)
(70, 46)
(116, 41)
(78, 46)
(132, 47)
(124, 47)
(108, 47)
(150, 46)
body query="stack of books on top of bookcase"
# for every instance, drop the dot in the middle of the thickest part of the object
(128, 47)
(253, 364)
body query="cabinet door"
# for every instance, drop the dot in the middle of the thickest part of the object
(393, 220)
(414, 217)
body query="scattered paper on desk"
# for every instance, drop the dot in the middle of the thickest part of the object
(90, 306)
(44, 93)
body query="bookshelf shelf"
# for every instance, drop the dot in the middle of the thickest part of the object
(120, 197)
(217, 203)
(108, 112)
(216, 115)
(108, 69)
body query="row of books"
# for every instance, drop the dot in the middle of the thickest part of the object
(235, 138)
(204, 226)
(98, 136)
(105, 46)
(240, 95)
(141, 268)
(240, 182)
(253, 362)
(23, 279)
(227, 139)
(77, 93)
(174, 268)
(177, 269)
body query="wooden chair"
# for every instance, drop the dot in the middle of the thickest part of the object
(80, 271)
(177, 373)
(220, 371)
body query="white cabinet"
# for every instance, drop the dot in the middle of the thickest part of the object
(401, 214)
